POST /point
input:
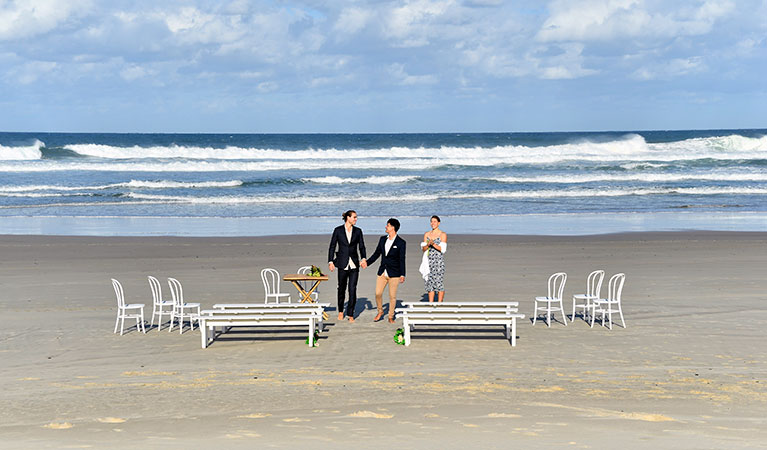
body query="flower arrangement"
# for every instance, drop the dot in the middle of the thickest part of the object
(316, 339)
(399, 336)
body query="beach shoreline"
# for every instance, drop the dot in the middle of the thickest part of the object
(687, 371)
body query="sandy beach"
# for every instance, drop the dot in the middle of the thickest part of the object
(689, 371)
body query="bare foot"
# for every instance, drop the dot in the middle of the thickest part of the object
(351, 319)
(340, 316)
(391, 319)
(378, 317)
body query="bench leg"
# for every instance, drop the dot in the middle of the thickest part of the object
(514, 332)
(507, 329)
(406, 326)
(204, 334)
(311, 333)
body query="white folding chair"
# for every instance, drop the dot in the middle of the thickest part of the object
(305, 284)
(158, 304)
(123, 310)
(593, 288)
(556, 285)
(611, 304)
(271, 279)
(180, 307)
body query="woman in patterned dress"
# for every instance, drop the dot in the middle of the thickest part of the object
(435, 242)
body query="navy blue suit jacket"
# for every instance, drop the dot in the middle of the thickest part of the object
(346, 249)
(394, 262)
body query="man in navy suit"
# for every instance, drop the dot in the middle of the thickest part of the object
(348, 238)
(391, 248)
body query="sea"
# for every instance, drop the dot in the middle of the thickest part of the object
(555, 183)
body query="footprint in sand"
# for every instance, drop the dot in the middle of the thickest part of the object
(254, 416)
(370, 415)
(296, 419)
(111, 420)
(503, 416)
(58, 425)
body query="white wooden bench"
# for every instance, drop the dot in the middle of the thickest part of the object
(225, 318)
(461, 313)
(275, 307)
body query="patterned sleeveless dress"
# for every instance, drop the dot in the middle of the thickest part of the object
(436, 278)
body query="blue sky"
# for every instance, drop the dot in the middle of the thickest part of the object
(381, 66)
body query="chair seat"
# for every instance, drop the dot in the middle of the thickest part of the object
(604, 301)
(134, 306)
(165, 303)
(546, 299)
(585, 297)
(191, 305)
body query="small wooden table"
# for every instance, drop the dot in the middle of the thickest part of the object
(307, 294)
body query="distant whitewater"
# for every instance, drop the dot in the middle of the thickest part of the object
(488, 174)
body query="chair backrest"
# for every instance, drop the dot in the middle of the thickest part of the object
(556, 285)
(304, 270)
(594, 283)
(119, 293)
(615, 287)
(176, 291)
(271, 279)
(154, 285)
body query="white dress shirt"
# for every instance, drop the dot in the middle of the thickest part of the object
(387, 247)
(349, 240)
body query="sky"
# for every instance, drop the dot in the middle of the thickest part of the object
(261, 66)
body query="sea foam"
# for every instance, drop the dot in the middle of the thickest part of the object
(22, 153)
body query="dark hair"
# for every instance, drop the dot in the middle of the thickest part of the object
(348, 214)
(436, 217)
(393, 222)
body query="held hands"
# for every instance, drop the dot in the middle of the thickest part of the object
(364, 263)
(331, 266)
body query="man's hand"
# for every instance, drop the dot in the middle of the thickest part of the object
(331, 266)
(401, 280)
(364, 263)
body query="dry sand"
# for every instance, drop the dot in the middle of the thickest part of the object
(688, 372)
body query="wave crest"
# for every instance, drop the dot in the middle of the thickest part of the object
(22, 153)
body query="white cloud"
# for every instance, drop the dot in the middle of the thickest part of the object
(672, 68)
(31, 71)
(409, 22)
(21, 19)
(352, 20)
(267, 86)
(133, 72)
(606, 20)
(397, 71)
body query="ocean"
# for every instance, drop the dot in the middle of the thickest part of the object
(259, 184)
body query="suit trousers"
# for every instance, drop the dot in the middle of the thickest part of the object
(348, 278)
(381, 283)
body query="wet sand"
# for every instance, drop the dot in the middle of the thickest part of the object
(689, 371)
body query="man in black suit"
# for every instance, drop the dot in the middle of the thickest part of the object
(392, 271)
(348, 238)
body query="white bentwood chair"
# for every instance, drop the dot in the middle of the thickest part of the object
(556, 285)
(593, 288)
(611, 304)
(180, 307)
(271, 279)
(158, 304)
(123, 310)
(305, 270)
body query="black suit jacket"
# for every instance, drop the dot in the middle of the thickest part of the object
(346, 249)
(394, 262)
